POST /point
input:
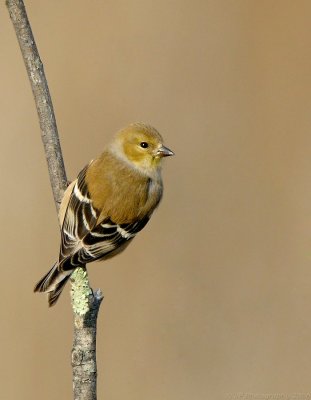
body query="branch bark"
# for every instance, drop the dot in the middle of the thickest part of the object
(42, 97)
(85, 303)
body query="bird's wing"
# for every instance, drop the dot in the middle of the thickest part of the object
(103, 240)
(83, 238)
(80, 217)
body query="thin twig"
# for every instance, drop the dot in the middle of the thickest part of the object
(42, 97)
(85, 318)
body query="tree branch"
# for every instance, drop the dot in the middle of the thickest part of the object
(42, 97)
(85, 304)
(83, 356)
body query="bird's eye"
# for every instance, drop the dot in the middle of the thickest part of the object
(144, 145)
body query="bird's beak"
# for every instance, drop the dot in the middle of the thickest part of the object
(164, 152)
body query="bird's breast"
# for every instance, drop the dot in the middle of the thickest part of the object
(121, 193)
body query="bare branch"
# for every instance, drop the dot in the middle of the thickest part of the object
(83, 356)
(42, 97)
(85, 304)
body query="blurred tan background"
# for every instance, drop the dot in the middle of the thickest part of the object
(214, 296)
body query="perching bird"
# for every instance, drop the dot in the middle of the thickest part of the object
(112, 200)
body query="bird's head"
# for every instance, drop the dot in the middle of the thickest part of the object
(142, 146)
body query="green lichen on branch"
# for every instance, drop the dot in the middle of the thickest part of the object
(85, 303)
(80, 291)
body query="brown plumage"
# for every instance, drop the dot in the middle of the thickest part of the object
(112, 199)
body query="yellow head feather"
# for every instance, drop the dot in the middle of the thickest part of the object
(142, 146)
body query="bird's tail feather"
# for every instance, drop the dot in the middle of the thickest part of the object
(54, 294)
(53, 283)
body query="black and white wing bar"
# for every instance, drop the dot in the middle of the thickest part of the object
(105, 238)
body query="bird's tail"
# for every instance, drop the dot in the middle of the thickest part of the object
(53, 283)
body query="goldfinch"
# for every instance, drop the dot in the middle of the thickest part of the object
(112, 200)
